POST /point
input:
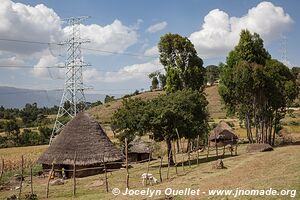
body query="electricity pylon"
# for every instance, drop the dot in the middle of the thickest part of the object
(73, 99)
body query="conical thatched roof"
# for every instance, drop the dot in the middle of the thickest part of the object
(139, 146)
(84, 136)
(222, 132)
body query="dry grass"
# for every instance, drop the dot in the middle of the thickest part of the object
(12, 156)
(279, 169)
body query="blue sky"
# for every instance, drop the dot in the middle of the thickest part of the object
(134, 26)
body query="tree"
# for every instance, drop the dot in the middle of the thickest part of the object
(184, 69)
(162, 81)
(256, 88)
(211, 74)
(29, 114)
(154, 83)
(108, 98)
(45, 134)
(182, 114)
(12, 130)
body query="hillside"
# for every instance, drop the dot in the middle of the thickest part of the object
(103, 113)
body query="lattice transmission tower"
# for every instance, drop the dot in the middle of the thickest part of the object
(73, 98)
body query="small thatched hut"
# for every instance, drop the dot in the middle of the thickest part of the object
(138, 150)
(84, 136)
(222, 135)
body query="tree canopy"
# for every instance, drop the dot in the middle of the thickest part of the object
(179, 114)
(256, 87)
(184, 69)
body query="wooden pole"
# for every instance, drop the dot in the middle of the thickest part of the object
(182, 162)
(160, 177)
(174, 154)
(179, 140)
(169, 156)
(2, 168)
(74, 174)
(189, 155)
(208, 149)
(31, 184)
(148, 168)
(106, 182)
(22, 171)
(236, 149)
(223, 150)
(216, 145)
(49, 177)
(198, 150)
(127, 171)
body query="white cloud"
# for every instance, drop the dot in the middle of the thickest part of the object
(130, 72)
(114, 37)
(157, 27)
(153, 51)
(219, 32)
(11, 61)
(23, 22)
(40, 23)
(43, 68)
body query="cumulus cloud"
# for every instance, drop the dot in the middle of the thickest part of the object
(157, 27)
(220, 32)
(11, 61)
(153, 51)
(114, 37)
(40, 23)
(46, 68)
(130, 72)
(23, 22)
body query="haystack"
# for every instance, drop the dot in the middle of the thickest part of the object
(138, 150)
(84, 136)
(222, 135)
(259, 147)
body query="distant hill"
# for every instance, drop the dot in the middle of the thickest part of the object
(11, 97)
(103, 113)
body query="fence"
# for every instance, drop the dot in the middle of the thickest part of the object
(160, 168)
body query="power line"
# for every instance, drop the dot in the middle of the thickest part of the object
(95, 68)
(89, 49)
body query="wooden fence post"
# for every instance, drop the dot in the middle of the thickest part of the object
(74, 175)
(22, 172)
(169, 156)
(189, 154)
(31, 184)
(198, 138)
(49, 177)
(106, 182)
(127, 171)
(175, 163)
(148, 168)
(208, 149)
(160, 177)
(216, 145)
(2, 168)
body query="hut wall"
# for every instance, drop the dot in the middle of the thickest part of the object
(135, 157)
(81, 173)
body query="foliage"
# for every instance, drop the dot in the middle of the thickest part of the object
(108, 98)
(179, 114)
(158, 80)
(256, 87)
(212, 73)
(184, 69)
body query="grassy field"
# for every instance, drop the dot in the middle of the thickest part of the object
(278, 169)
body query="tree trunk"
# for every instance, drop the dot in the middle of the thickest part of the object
(169, 150)
(177, 146)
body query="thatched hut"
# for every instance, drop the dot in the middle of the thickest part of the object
(84, 137)
(138, 150)
(222, 135)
